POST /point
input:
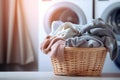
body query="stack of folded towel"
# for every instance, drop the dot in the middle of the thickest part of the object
(95, 34)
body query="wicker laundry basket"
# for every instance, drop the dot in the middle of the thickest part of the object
(80, 61)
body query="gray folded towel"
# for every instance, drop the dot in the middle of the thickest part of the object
(99, 33)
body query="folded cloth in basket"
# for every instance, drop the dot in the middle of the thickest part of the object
(104, 35)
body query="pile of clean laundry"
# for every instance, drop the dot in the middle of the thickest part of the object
(93, 35)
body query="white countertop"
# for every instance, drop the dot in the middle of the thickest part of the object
(51, 76)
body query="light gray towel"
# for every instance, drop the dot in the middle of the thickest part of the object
(104, 33)
(101, 32)
(97, 23)
(107, 35)
(84, 41)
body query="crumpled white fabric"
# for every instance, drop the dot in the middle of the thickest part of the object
(64, 30)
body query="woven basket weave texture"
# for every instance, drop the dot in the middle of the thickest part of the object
(80, 61)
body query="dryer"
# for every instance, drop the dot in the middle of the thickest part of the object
(109, 11)
(75, 11)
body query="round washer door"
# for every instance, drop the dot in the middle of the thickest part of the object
(111, 15)
(65, 12)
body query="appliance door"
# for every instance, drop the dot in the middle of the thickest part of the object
(111, 15)
(65, 12)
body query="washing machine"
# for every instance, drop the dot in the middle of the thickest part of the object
(109, 11)
(75, 11)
